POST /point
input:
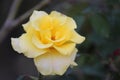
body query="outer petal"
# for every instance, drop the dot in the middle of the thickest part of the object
(58, 18)
(70, 23)
(16, 44)
(56, 14)
(65, 49)
(28, 48)
(37, 15)
(77, 38)
(26, 26)
(54, 63)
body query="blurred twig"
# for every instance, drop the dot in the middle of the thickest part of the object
(7, 24)
(28, 13)
(13, 9)
(11, 22)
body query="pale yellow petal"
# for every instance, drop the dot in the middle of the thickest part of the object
(45, 36)
(53, 63)
(16, 44)
(65, 49)
(37, 15)
(36, 18)
(26, 26)
(62, 62)
(61, 35)
(44, 64)
(77, 38)
(37, 42)
(58, 18)
(73, 64)
(28, 47)
(70, 23)
(55, 14)
(73, 58)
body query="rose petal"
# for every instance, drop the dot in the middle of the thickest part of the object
(37, 15)
(28, 48)
(70, 23)
(53, 63)
(65, 49)
(26, 26)
(77, 38)
(58, 18)
(39, 44)
(15, 44)
(61, 35)
(36, 18)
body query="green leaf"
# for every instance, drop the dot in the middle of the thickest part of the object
(100, 25)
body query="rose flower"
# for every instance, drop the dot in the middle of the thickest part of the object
(50, 39)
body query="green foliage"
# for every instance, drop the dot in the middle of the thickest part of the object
(100, 25)
(79, 21)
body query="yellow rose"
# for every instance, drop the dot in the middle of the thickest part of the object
(50, 39)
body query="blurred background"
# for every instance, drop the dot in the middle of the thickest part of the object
(98, 20)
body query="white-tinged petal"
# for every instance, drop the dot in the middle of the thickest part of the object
(44, 64)
(73, 58)
(53, 63)
(28, 47)
(66, 48)
(36, 18)
(37, 15)
(26, 26)
(16, 44)
(77, 38)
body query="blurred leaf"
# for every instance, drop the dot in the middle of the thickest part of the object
(113, 1)
(88, 10)
(79, 21)
(96, 39)
(86, 59)
(77, 9)
(90, 65)
(92, 71)
(25, 77)
(81, 60)
(100, 25)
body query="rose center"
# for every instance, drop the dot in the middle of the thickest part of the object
(53, 38)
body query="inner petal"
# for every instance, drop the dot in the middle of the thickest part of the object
(45, 23)
(62, 35)
(45, 36)
(37, 42)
